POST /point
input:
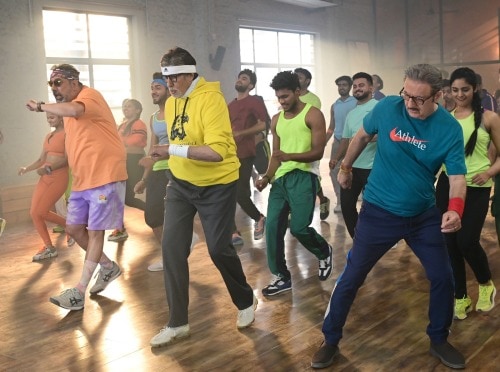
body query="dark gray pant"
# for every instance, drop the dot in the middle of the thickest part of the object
(215, 206)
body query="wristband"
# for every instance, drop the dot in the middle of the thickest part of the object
(178, 150)
(39, 106)
(457, 205)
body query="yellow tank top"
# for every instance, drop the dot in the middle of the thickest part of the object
(478, 161)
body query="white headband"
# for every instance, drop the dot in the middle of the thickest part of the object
(173, 70)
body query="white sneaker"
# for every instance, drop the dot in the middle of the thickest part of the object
(247, 316)
(168, 335)
(157, 266)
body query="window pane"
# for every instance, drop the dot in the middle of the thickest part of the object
(307, 49)
(113, 82)
(65, 34)
(264, 77)
(246, 45)
(266, 46)
(108, 37)
(289, 48)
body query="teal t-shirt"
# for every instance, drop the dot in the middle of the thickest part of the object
(409, 154)
(353, 122)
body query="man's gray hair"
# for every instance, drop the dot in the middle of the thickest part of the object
(425, 73)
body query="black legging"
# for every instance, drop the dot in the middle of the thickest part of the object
(464, 245)
(135, 172)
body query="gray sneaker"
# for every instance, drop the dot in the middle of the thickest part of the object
(70, 299)
(104, 277)
(44, 253)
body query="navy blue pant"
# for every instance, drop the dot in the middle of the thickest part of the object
(376, 232)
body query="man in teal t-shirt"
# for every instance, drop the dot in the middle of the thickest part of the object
(362, 90)
(415, 137)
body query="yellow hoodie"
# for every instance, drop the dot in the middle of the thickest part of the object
(202, 118)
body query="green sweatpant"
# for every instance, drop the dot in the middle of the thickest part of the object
(295, 192)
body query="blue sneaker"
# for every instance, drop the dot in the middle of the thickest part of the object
(278, 285)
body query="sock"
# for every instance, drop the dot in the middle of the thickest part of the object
(105, 262)
(87, 272)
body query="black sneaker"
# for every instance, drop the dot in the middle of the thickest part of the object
(278, 285)
(448, 355)
(324, 209)
(325, 266)
(324, 356)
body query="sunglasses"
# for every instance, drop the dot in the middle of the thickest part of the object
(173, 78)
(57, 82)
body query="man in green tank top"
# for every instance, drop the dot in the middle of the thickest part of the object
(299, 137)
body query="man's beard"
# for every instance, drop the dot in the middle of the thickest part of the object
(240, 88)
(365, 95)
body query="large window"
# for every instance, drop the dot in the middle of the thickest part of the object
(268, 52)
(97, 45)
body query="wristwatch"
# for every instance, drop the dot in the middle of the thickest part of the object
(48, 169)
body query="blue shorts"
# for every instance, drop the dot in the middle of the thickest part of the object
(100, 208)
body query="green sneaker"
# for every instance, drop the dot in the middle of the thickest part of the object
(462, 307)
(486, 299)
(58, 229)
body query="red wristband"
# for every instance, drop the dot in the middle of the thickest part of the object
(457, 205)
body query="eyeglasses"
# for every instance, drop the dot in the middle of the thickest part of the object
(173, 78)
(57, 82)
(419, 101)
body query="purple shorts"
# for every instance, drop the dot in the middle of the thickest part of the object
(100, 208)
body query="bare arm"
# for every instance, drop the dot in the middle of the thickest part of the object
(492, 125)
(331, 128)
(274, 163)
(35, 165)
(344, 144)
(66, 109)
(146, 162)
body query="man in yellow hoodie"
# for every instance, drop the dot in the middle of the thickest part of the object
(202, 159)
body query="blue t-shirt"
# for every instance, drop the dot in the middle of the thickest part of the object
(339, 111)
(410, 152)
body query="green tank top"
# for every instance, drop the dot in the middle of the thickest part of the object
(478, 162)
(295, 137)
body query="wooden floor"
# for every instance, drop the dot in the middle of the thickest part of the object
(385, 330)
